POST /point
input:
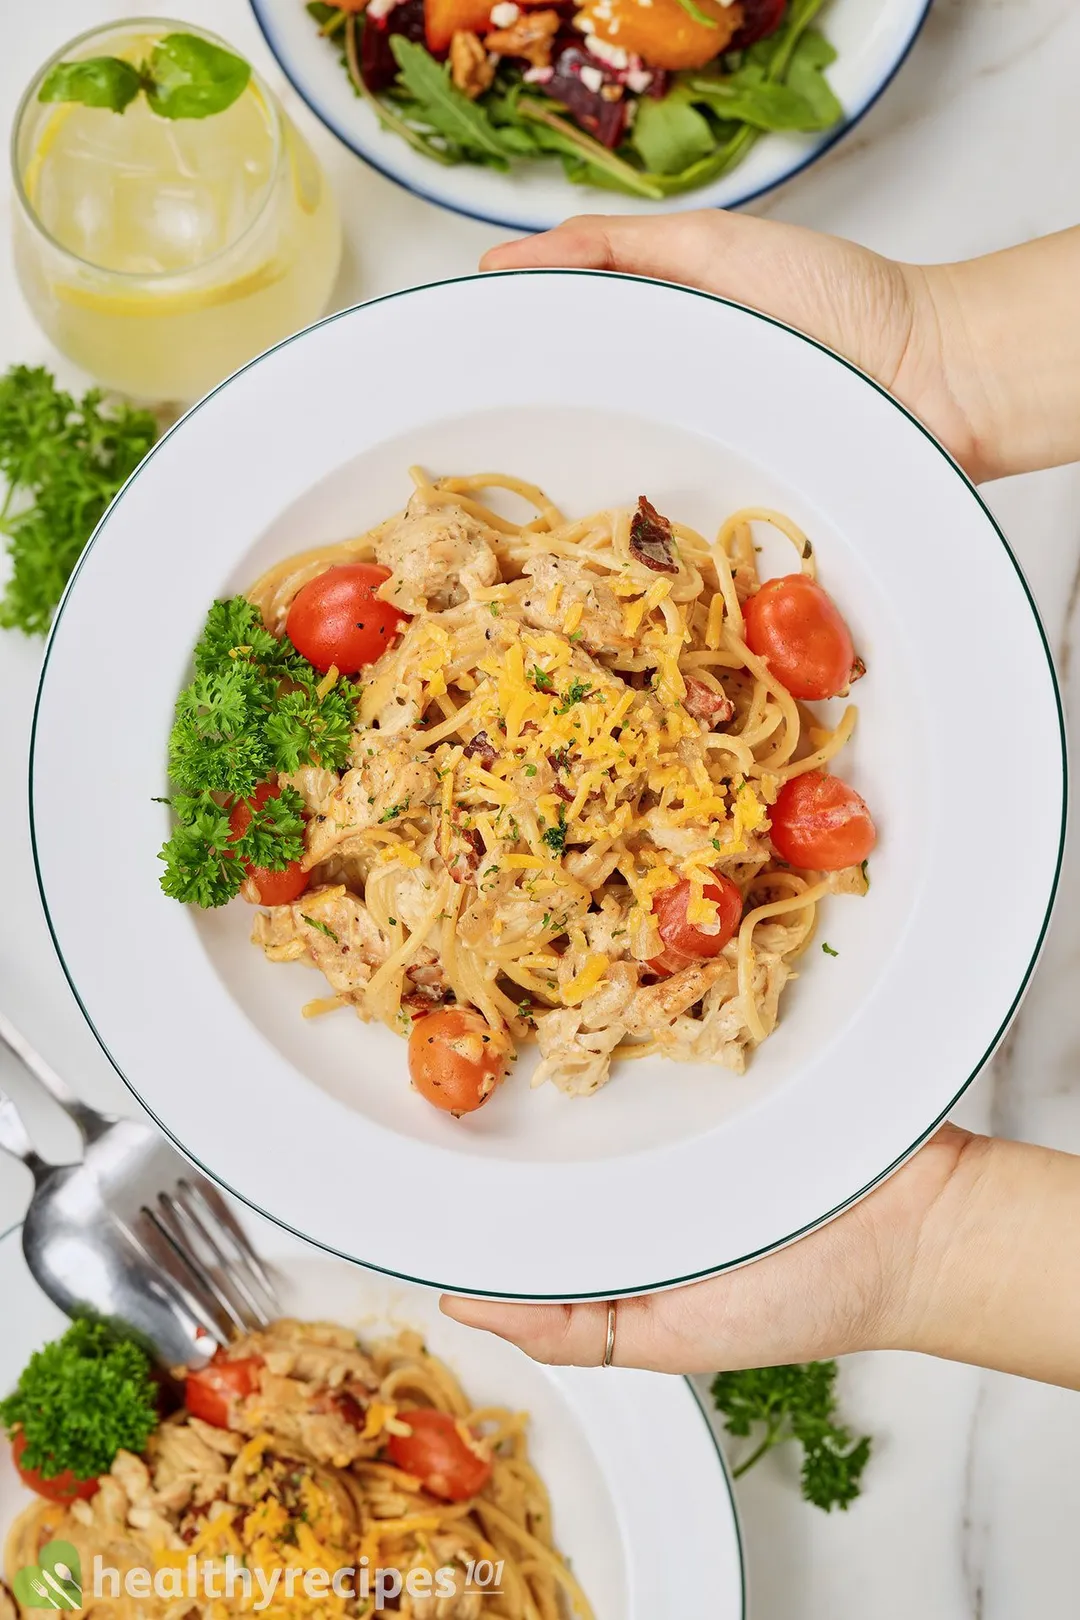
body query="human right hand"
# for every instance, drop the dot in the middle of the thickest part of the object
(986, 353)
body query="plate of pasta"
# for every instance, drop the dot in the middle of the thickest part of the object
(540, 798)
(361, 1454)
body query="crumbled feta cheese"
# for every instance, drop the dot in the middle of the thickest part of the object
(592, 79)
(377, 9)
(538, 75)
(604, 51)
(638, 80)
(505, 15)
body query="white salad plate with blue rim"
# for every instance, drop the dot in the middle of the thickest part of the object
(641, 1497)
(672, 1171)
(872, 41)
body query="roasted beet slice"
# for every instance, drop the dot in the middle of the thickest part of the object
(760, 19)
(651, 539)
(603, 119)
(378, 66)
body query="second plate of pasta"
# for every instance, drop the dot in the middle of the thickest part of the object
(559, 783)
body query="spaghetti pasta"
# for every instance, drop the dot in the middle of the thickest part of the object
(570, 723)
(317, 1468)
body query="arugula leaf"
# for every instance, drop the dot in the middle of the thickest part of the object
(796, 1403)
(764, 105)
(189, 77)
(97, 81)
(669, 133)
(64, 460)
(806, 76)
(444, 107)
(80, 1400)
(592, 154)
(388, 117)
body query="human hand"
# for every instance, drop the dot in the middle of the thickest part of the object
(860, 1282)
(899, 323)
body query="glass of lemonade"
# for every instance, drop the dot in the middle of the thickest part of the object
(159, 254)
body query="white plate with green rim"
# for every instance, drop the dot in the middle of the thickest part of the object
(641, 1498)
(672, 1171)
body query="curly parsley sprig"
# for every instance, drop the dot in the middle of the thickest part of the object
(63, 460)
(796, 1403)
(80, 1400)
(254, 708)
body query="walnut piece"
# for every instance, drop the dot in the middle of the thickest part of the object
(471, 68)
(529, 37)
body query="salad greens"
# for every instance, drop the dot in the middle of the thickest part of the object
(64, 459)
(185, 76)
(80, 1400)
(703, 126)
(253, 707)
(778, 1404)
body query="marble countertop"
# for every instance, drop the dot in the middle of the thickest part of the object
(973, 1494)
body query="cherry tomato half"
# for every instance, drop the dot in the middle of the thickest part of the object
(337, 620)
(65, 1487)
(798, 628)
(213, 1392)
(684, 942)
(821, 824)
(273, 888)
(437, 1455)
(456, 1059)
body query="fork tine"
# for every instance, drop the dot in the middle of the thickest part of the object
(222, 1273)
(170, 1275)
(189, 1242)
(206, 1202)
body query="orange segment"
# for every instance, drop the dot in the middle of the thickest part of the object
(662, 32)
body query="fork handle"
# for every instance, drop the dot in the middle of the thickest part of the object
(15, 1140)
(90, 1123)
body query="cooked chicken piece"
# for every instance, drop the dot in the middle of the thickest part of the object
(721, 1035)
(389, 778)
(601, 622)
(591, 868)
(608, 1004)
(438, 556)
(656, 1005)
(331, 927)
(312, 783)
(327, 1426)
(187, 1467)
(578, 1062)
(606, 930)
(221, 1440)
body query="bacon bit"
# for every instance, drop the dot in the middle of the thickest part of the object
(424, 998)
(463, 864)
(482, 748)
(858, 670)
(345, 1405)
(562, 792)
(651, 539)
(704, 703)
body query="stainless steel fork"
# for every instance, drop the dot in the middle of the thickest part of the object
(132, 1233)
